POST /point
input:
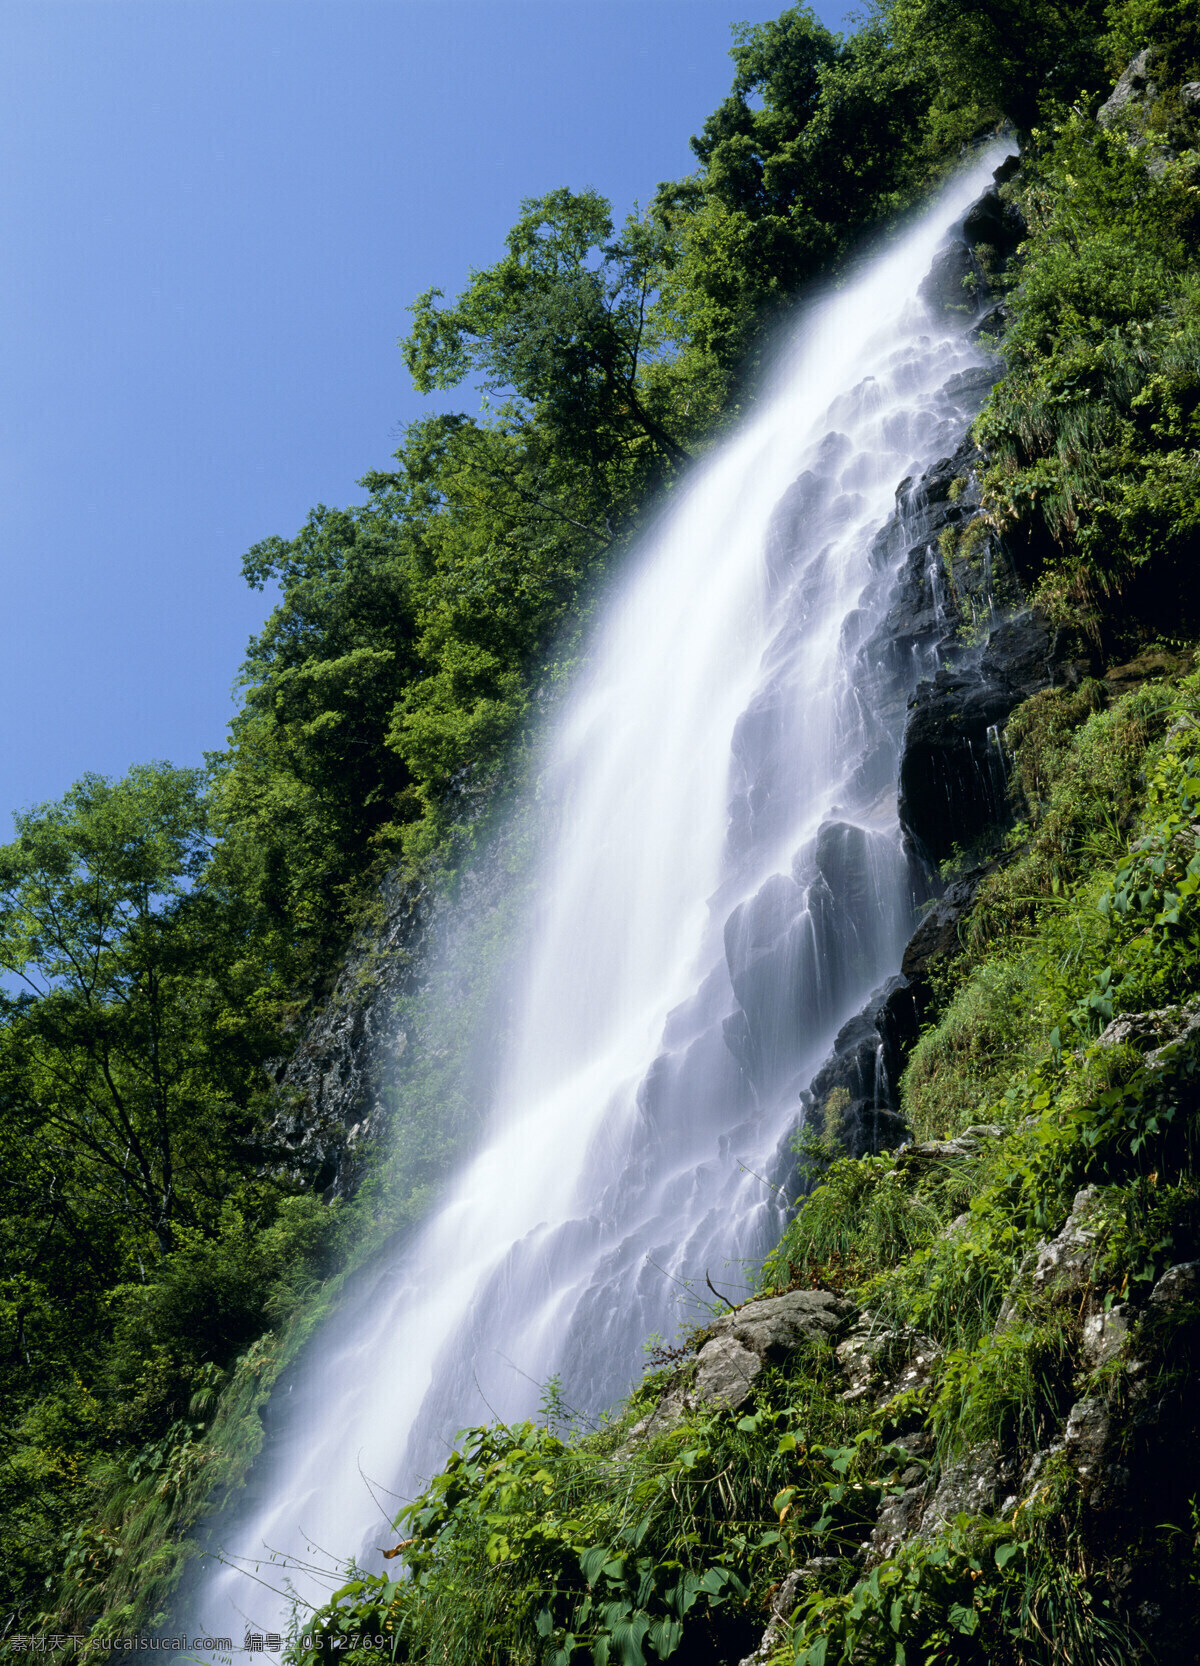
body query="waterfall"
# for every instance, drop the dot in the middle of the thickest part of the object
(722, 887)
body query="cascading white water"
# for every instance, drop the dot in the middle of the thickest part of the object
(723, 888)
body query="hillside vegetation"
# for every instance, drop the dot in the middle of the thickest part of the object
(171, 932)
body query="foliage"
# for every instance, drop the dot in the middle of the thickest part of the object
(1092, 432)
(999, 60)
(864, 1215)
(141, 1252)
(976, 1593)
(564, 322)
(535, 1548)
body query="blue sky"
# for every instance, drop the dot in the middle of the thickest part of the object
(213, 218)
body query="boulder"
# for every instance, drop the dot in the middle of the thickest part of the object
(969, 1486)
(1179, 1286)
(1063, 1266)
(1105, 1335)
(1132, 93)
(772, 1328)
(740, 1344)
(968, 389)
(725, 1372)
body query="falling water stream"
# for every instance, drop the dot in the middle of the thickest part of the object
(723, 887)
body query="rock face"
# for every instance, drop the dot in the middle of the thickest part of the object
(958, 599)
(331, 1088)
(864, 1066)
(359, 1053)
(964, 270)
(936, 939)
(953, 779)
(880, 1363)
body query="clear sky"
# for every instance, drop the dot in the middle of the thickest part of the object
(214, 213)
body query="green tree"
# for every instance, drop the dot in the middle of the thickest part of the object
(307, 781)
(818, 141)
(97, 1051)
(562, 326)
(995, 58)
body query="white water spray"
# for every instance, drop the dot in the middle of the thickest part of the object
(724, 887)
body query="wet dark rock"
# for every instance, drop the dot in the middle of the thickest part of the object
(1007, 168)
(1020, 654)
(794, 950)
(953, 784)
(958, 638)
(952, 282)
(937, 940)
(865, 1065)
(953, 778)
(960, 280)
(971, 387)
(993, 323)
(997, 223)
(931, 600)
